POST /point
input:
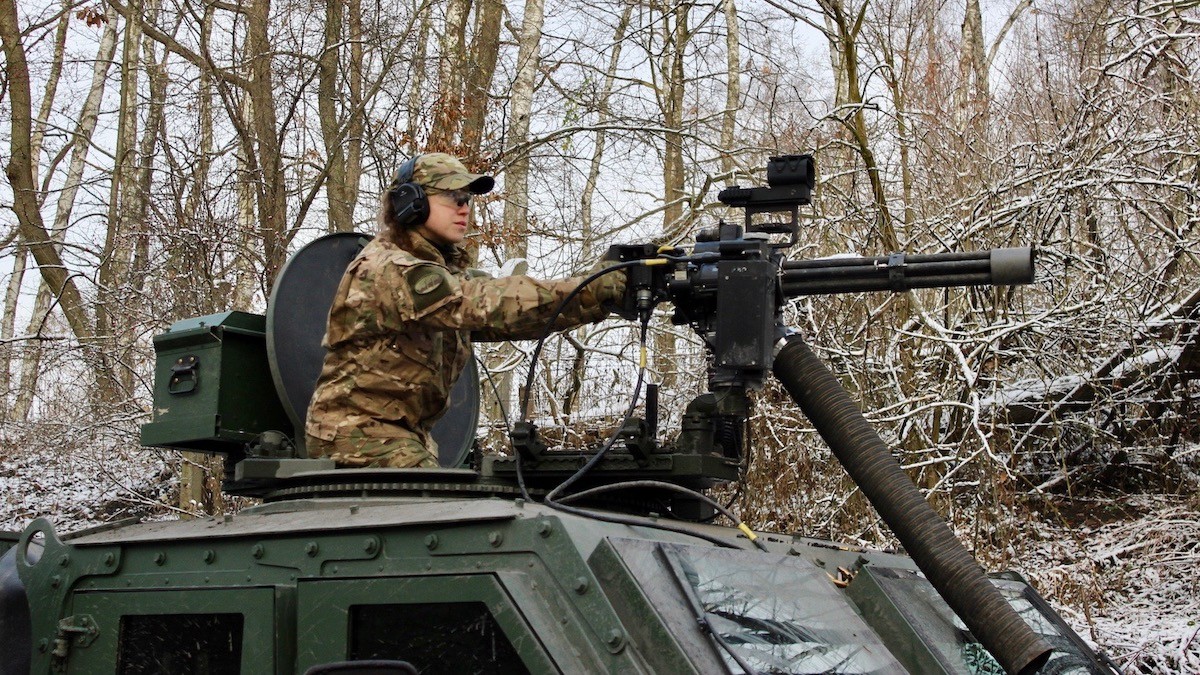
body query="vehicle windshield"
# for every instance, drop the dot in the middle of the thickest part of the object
(773, 613)
(764, 613)
(958, 650)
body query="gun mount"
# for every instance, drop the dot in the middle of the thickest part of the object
(350, 563)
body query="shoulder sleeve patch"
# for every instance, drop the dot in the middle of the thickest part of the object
(430, 284)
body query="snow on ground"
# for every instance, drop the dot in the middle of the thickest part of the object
(1131, 585)
(1128, 586)
(81, 486)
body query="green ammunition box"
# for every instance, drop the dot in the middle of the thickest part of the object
(213, 389)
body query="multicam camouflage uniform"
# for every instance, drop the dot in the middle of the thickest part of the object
(399, 334)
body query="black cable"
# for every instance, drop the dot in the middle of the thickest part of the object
(737, 493)
(637, 390)
(660, 259)
(552, 500)
(538, 350)
(495, 393)
(541, 342)
(507, 427)
(671, 487)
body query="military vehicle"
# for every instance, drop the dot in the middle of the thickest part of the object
(550, 560)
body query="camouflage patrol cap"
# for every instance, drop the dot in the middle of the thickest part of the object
(446, 172)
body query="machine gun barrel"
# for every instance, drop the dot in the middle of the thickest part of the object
(903, 272)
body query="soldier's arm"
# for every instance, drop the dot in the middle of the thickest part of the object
(523, 306)
(509, 308)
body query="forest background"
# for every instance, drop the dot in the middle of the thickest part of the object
(164, 157)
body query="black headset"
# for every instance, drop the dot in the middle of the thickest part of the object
(410, 204)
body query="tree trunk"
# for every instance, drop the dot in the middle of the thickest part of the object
(138, 219)
(194, 206)
(20, 173)
(356, 125)
(31, 364)
(115, 256)
(516, 158)
(20, 255)
(8, 324)
(340, 210)
(448, 109)
(733, 90)
(973, 88)
(52, 79)
(342, 133)
(270, 184)
(247, 194)
(896, 81)
(200, 484)
(485, 50)
(846, 29)
(418, 88)
(604, 114)
(676, 34)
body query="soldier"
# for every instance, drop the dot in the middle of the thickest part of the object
(404, 316)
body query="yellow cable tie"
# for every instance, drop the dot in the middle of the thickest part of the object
(747, 531)
(651, 262)
(642, 357)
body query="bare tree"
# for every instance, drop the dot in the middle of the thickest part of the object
(26, 202)
(846, 26)
(733, 72)
(20, 256)
(481, 70)
(342, 133)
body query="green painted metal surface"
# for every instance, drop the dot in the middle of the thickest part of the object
(192, 410)
(285, 586)
(8, 540)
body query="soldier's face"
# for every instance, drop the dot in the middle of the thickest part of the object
(448, 216)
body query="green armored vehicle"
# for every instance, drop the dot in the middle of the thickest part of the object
(546, 561)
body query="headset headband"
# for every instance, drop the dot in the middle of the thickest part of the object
(405, 173)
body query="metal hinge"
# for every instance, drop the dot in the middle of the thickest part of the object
(73, 631)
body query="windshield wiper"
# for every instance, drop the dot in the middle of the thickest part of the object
(702, 621)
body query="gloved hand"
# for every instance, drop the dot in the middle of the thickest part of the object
(610, 288)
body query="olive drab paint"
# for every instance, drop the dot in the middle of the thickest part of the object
(452, 579)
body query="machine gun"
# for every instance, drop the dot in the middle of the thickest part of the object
(731, 289)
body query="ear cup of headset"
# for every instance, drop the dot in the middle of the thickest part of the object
(409, 204)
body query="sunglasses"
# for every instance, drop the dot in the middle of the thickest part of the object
(460, 197)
